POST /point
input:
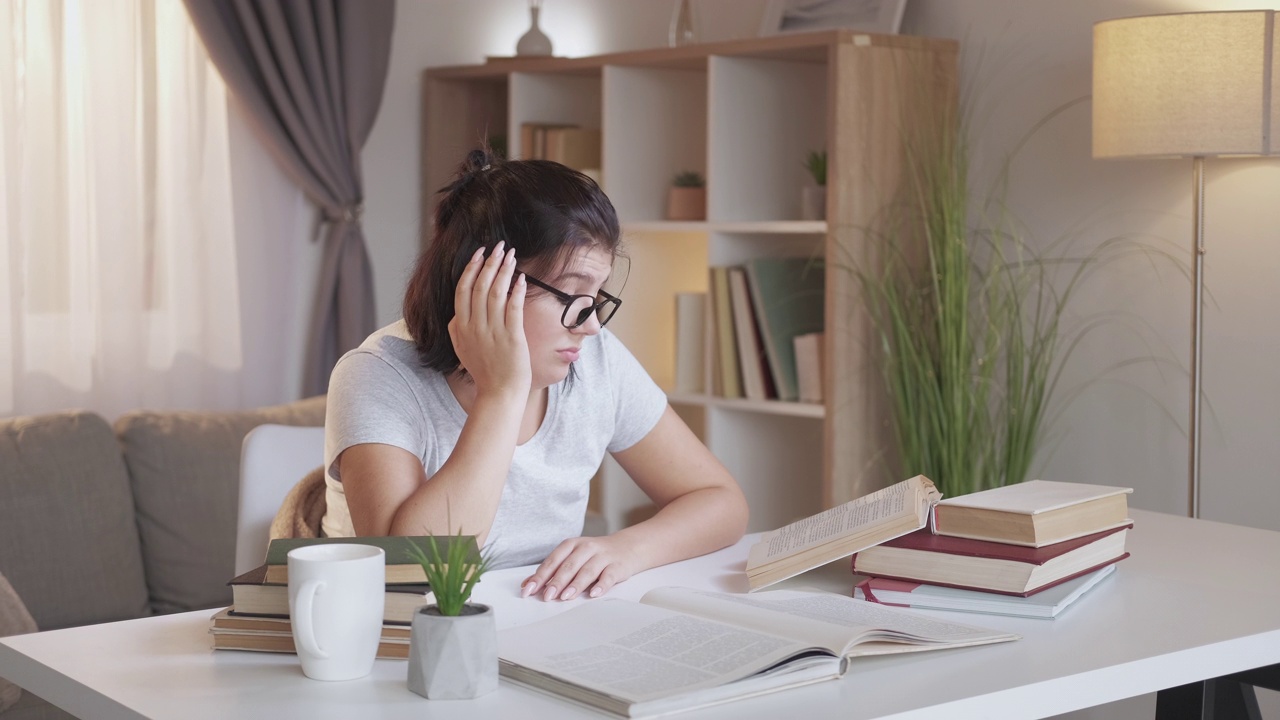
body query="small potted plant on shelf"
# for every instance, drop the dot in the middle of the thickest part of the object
(813, 198)
(453, 645)
(687, 197)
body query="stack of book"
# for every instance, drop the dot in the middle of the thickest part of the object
(258, 618)
(1029, 549)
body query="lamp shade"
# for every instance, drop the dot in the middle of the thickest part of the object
(1192, 84)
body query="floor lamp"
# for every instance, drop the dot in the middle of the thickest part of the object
(1194, 85)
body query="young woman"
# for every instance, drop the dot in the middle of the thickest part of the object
(489, 407)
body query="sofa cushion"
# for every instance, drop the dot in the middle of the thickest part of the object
(14, 620)
(185, 470)
(69, 540)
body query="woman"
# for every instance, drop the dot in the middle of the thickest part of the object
(490, 406)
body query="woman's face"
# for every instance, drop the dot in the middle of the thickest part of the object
(552, 346)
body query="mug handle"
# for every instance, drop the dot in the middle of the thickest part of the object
(304, 623)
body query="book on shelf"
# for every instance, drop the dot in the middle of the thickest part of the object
(808, 349)
(840, 531)
(575, 147)
(401, 567)
(788, 297)
(233, 631)
(251, 594)
(726, 340)
(994, 567)
(757, 383)
(1047, 604)
(1034, 513)
(679, 649)
(691, 333)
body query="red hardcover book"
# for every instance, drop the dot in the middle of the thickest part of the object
(992, 567)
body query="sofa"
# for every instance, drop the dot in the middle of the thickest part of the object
(102, 522)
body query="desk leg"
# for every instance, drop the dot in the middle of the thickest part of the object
(1225, 698)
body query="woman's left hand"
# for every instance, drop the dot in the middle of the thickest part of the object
(590, 565)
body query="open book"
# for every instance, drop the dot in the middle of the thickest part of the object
(680, 649)
(841, 531)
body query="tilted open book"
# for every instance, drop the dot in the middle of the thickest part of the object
(679, 649)
(841, 531)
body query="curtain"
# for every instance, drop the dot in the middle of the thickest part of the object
(117, 263)
(309, 75)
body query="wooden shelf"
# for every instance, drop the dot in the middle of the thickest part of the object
(766, 407)
(744, 114)
(774, 227)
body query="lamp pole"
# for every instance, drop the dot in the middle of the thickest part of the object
(1197, 318)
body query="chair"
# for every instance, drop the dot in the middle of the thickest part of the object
(272, 460)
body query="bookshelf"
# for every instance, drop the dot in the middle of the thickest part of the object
(744, 114)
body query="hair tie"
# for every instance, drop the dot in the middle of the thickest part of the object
(486, 167)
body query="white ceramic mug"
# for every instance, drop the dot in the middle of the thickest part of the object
(336, 594)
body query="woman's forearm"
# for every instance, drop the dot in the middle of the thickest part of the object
(693, 524)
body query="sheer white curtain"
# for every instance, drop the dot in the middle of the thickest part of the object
(118, 282)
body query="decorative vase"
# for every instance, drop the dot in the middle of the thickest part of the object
(534, 42)
(686, 203)
(453, 658)
(684, 30)
(813, 202)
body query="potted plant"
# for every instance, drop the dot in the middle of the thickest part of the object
(453, 645)
(969, 317)
(687, 197)
(813, 198)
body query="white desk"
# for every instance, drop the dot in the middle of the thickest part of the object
(1196, 600)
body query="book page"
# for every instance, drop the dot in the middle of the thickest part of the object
(828, 620)
(898, 500)
(638, 652)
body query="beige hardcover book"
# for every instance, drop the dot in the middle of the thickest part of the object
(747, 333)
(679, 649)
(841, 531)
(726, 340)
(1034, 513)
(245, 632)
(809, 366)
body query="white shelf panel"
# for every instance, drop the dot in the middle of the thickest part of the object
(766, 407)
(776, 227)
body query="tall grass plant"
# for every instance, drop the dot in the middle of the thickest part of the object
(968, 318)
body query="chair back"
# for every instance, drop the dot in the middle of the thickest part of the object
(272, 460)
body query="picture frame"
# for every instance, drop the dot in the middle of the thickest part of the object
(874, 16)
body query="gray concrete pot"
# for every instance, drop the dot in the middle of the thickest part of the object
(453, 658)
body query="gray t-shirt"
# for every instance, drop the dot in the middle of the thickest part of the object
(380, 393)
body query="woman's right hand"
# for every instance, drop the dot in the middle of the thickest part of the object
(487, 328)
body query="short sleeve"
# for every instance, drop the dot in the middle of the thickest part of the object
(370, 401)
(638, 401)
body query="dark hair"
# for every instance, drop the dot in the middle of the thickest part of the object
(541, 208)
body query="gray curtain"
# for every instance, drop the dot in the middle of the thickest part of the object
(309, 75)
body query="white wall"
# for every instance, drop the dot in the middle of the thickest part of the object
(1027, 57)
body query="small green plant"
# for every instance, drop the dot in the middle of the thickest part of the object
(453, 573)
(816, 164)
(688, 179)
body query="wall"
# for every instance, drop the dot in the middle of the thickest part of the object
(1024, 59)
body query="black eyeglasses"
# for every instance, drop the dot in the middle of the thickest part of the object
(578, 308)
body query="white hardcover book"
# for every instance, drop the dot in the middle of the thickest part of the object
(1034, 496)
(691, 342)
(1046, 604)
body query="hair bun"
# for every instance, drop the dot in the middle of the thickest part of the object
(478, 160)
